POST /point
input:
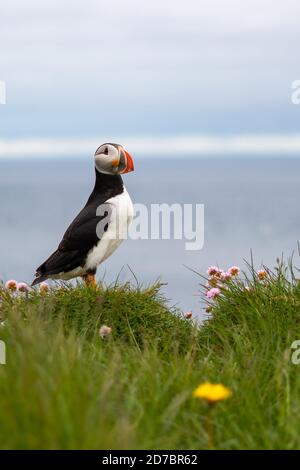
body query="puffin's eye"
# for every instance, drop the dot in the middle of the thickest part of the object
(106, 151)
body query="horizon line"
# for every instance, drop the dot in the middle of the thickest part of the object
(172, 146)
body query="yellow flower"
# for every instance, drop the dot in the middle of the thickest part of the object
(212, 393)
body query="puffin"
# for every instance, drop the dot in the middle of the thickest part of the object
(100, 226)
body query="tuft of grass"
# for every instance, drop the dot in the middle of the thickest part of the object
(64, 387)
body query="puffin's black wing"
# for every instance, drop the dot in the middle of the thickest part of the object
(81, 236)
(84, 232)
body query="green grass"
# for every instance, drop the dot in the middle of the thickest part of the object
(65, 387)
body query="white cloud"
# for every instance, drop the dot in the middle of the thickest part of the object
(190, 56)
(181, 146)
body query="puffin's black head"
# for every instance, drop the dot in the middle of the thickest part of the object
(113, 159)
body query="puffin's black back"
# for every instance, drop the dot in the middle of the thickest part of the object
(81, 236)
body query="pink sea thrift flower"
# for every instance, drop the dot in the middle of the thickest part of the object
(234, 271)
(225, 276)
(188, 315)
(213, 271)
(11, 285)
(261, 274)
(212, 282)
(22, 287)
(104, 331)
(212, 293)
(44, 287)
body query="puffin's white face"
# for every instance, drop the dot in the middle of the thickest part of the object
(113, 159)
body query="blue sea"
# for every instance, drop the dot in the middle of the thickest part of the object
(250, 204)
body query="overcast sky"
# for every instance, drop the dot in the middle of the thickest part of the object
(156, 68)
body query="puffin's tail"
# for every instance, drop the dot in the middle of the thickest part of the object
(60, 261)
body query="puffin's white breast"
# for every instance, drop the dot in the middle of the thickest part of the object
(120, 219)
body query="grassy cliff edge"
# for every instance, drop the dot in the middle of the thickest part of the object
(66, 387)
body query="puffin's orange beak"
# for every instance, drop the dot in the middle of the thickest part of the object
(129, 163)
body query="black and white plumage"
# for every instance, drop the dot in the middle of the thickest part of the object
(100, 227)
